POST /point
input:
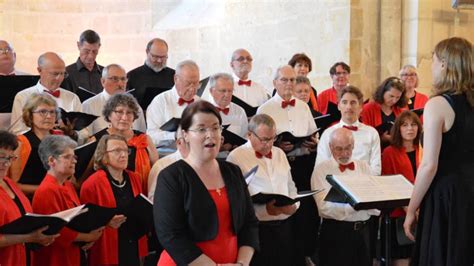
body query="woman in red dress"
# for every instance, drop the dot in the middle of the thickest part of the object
(416, 99)
(403, 157)
(202, 209)
(13, 205)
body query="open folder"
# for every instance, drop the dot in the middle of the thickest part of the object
(79, 120)
(281, 200)
(249, 110)
(296, 141)
(365, 192)
(418, 111)
(171, 125)
(231, 137)
(10, 86)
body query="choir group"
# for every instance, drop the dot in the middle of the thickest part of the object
(203, 150)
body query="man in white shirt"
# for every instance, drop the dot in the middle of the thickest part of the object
(344, 232)
(52, 72)
(221, 89)
(170, 104)
(294, 116)
(367, 140)
(114, 80)
(273, 176)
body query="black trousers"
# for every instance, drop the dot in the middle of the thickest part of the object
(344, 243)
(276, 244)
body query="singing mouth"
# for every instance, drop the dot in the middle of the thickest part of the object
(210, 145)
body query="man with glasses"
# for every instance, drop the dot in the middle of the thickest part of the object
(8, 60)
(294, 116)
(114, 80)
(52, 72)
(85, 72)
(154, 74)
(273, 176)
(340, 73)
(170, 104)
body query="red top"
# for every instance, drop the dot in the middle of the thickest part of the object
(51, 197)
(97, 190)
(329, 95)
(142, 160)
(372, 114)
(12, 255)
(395, 161)
(223, 248)
(420, 100)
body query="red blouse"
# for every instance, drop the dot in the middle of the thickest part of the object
(12, 255)
(51, 197)
(372, 114)
(223, 248)
(328, 95)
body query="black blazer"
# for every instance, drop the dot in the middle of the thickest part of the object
(185, 213)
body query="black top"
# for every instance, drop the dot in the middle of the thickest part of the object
(412, 157)
(388, 118)
(411, 102)
(34, 171)
(128, 246)
(185, 212)
(144, 77)
(79, 75)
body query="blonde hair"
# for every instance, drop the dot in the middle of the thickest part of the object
(101, 150)
(35, 100)
(458, 76)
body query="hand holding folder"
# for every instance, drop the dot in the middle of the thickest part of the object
(139, 215)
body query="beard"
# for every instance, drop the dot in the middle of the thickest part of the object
(155, 68)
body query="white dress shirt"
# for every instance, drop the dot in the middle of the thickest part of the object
(163, 107)
(236, 118)
(159, 165)
(335, 210)
(273, 176)
(366, 145)
(95, 105)
(67, 100)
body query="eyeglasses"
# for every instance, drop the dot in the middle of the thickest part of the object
(189, 84)
(58, 74)
(5, 51)
(343, 73)
(408, 75)
(121, 113)
(45, 113)
(204, 130)
(117, 79)
(242, 59)
(69, 157)
(118, 152)
(264, 140)
(158, 57)
(8, 159)
(285, 80)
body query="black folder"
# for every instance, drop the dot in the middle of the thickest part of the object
(84, 154)
(334, 111)
(146, 96)
(418, 111)
(139, 216)
(324, 121)
(80, 120)
(384, 127)
(84, 94)
(202, 86)
(171, 125)
(231, 137)
(10, 86)
(281, 200)
(95, 217)
(249, 110)
(31, 222)
(296, 141)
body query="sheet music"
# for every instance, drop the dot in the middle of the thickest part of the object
(376, 188)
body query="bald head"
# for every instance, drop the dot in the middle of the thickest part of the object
(7, 58)
(241, 63)
(52, 70)
(341, 143)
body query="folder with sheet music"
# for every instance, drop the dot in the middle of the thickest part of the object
(364, 192)
(296, 141)
(281, 200)
(78, 119)
(231, 137)
(10, 86)
(84, 155)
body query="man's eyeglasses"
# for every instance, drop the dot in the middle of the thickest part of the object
(242, 59)
(264, 140)
(58, 74)
(204, 130)
(118, 152)
(5, 51)
(8, 159)
(158, 57)
(69, 157)
(117, 79)
(45, 113)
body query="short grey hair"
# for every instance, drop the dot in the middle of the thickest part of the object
(277, 72)
(89, 36)
(261, 119)
(120, 99)
(213, 79)
(302, 79)
(186, 63)
(152, 41)
(54, 145)
(105, 71)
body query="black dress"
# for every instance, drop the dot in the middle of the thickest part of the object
(34, 171)
(445, 233)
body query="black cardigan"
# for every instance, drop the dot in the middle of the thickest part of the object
(185, 213)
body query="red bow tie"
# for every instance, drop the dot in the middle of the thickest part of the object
(55, 93)
(259, 155)
(181, 101)
(284, 104)
(224, 110)
(353, 128)
(247, 83)
(349, 166)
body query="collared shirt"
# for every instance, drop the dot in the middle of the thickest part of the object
(159, 165)
(273, 176)
(236, 118)
(335, 210)
(163, 108)
(79, 75)
(67, 100)
(95, 106)
(366, 145)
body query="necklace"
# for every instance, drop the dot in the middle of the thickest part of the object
(119, 185)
